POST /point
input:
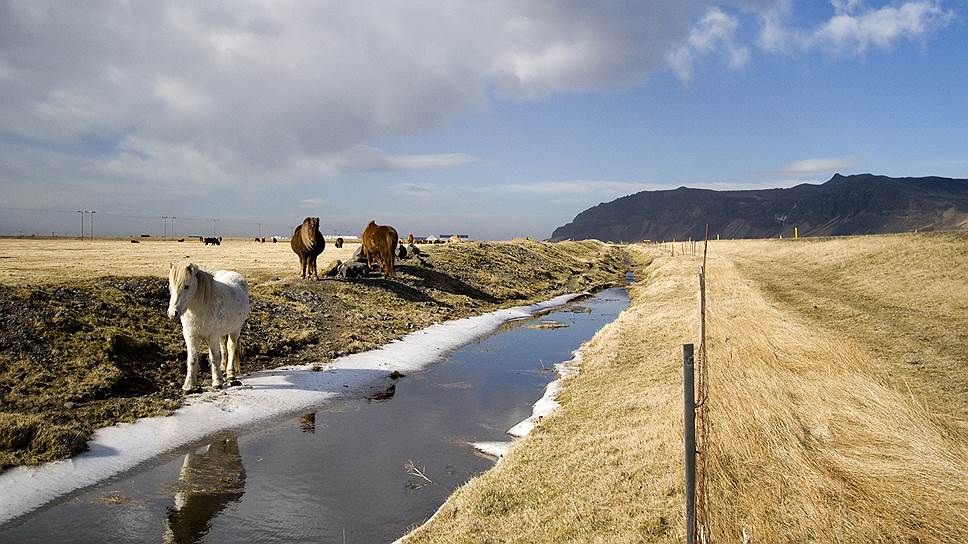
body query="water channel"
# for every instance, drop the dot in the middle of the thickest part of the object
(348, 471)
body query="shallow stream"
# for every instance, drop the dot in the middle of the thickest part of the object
(363, 470)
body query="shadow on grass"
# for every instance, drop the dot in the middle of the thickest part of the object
(437, 280)
(402, 290)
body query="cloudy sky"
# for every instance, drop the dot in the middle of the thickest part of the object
(490, 118)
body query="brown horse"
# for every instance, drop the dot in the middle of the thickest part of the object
(380, 241)
(307, 242)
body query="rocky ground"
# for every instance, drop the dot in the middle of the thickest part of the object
(82, 354)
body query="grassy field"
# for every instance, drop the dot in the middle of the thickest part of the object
(837, 402)
(85, 342)
(52, 261)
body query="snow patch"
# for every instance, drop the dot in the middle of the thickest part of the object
(547, 403)
(494, 449)
(266, 394)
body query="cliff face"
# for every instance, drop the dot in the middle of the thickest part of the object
(858, 204)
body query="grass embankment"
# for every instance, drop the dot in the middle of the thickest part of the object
(81, 350)
(822, 428)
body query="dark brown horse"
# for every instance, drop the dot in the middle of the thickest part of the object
(380, 242)
(308, 243)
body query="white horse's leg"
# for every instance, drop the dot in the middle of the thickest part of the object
(215, 360)
(232, 363)
(222, 342)
(191, 375)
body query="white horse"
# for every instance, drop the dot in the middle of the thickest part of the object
(213, 307)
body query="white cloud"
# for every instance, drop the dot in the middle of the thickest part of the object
(846, 6)
(715, 31)
(311, 203)
(854, 28)
(818, 166)
(256, 92)
(572, 187)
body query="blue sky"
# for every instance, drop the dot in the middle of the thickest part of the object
(496, 121)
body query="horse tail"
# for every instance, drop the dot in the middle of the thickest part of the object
(392, 240)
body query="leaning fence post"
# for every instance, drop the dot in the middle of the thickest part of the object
(689, 418)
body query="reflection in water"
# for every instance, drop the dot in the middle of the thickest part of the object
(307, 422)
(210, 480)
(385, 393)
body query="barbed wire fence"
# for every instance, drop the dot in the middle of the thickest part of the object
(696, 420)
(702, 410)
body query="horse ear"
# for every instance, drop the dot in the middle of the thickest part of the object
(193, 268)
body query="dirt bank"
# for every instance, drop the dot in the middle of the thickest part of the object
(78, 354)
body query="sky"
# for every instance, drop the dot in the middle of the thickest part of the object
(494, 118)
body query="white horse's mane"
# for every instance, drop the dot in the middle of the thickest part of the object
(205, 289)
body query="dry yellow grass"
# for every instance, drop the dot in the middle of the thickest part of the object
(817, 436)
(56, 260)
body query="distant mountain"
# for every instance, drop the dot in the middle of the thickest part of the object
(858, 204)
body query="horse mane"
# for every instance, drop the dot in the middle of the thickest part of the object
(206, 287)
(308, 235)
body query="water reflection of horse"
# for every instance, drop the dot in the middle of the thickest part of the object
(210, 480)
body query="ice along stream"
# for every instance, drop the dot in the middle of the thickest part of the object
(348, 470)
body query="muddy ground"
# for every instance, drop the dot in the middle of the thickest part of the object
(82, 354)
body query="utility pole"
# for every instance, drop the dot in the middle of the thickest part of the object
(82, 223)
(92, 224)
(214, 222)
(164, 235)
(260, 229)
(172, 226)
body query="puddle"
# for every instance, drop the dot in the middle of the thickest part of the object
(365, 470)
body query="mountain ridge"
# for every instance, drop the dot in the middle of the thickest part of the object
(843, 205)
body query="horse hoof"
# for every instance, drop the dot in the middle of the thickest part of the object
(235, 383)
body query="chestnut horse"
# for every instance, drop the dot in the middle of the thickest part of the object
(307, 242)
(380, 242)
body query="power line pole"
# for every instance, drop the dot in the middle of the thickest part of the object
(164, 235)
(92, 224)
(214, 222)
(82, 223)
(260, 229)
(172, 226)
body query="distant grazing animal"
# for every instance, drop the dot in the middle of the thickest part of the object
(135, 242)
(263, 240)
(274, 240)
(307, 242)
(256, 239)
(380, 241)
(410, 239)
(339, 242)
(181, 239)
(212, 307)
(213, 241)
(201, 238)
